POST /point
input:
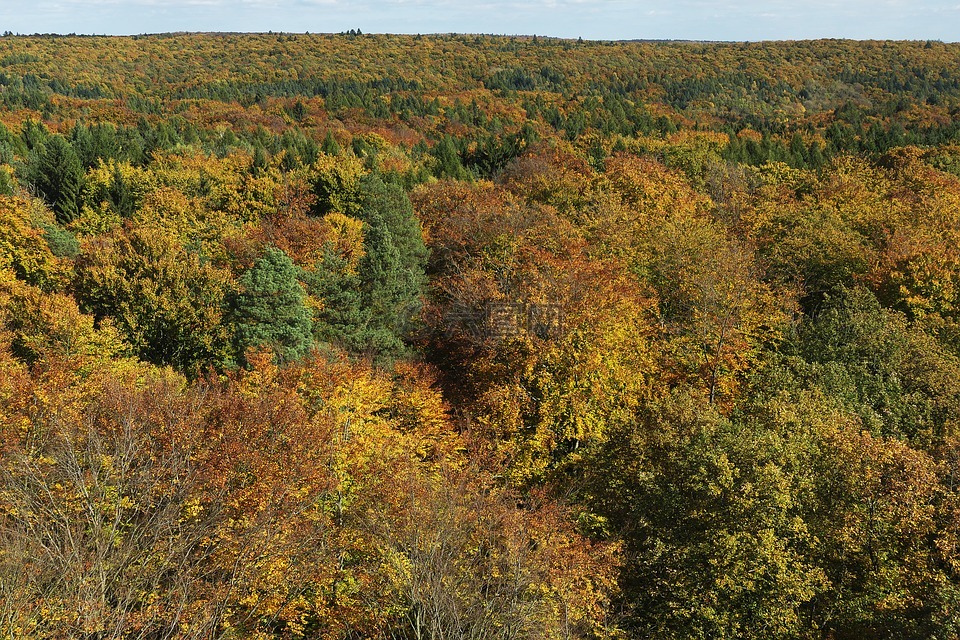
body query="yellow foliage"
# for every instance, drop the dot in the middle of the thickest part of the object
(336, 181)
(23, 249)
(346, 237)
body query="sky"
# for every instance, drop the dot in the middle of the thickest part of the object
(589, 19)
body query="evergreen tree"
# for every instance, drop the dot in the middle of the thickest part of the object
(34, 134)
(330, 146)
(82, 142)
(370, 312)
(93, 143)
(392, 270)
(270, 311)
(62, 243)
(343, 320)
(448, 160)
(58, 175)
(299, 111)
(120, 194)
(260, 161)
(6, 183)
(10, 145)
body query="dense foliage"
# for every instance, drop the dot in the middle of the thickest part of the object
(352, 336)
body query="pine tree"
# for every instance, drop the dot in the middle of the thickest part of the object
(392, 270)
(370, 312)
(343, 320)
(120, 194)
(260, 161)
(330, 146)
(270, 311)
(448, 160)
(58, 175)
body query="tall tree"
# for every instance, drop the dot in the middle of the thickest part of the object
(58, 175)
(709, 515)
(392, 270)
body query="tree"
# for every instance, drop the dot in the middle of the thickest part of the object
(709, 514)
(882, 522)
(7, 183)
(392, 275)
(58, 175)
(336, 184)
(119, 187)
(342, 320)
(269, 309)
(330, 146)
(166, 302)
(23, 247)
(102, 530)
(899, 380)
(447, 160)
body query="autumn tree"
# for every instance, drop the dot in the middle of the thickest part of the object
(166, 302)
(25, 247)
(336, 184)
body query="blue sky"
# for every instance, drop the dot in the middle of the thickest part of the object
(590, 19)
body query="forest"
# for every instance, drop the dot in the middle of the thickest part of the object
(478, 337)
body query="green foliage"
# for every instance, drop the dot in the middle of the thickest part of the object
(391, 272)
(709, 513)
(34, 134)
(98, 142)
(7, 182)
(336, 185)
(10, 145)
(786, 521)
(62, 243)
(342, 320)
(900, 381)
(447, 157)
(371, 311)
(269, 309)
(57, 174)
(166, 302)
(330, 145)
(120, 194)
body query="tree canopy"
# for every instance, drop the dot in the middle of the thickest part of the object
(424, 337)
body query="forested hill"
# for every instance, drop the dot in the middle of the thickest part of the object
(866, 95)
(352, 336)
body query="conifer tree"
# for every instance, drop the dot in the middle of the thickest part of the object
(330, 145)
(270, 310)
(448, 160)
(392, 271)
(58, 175)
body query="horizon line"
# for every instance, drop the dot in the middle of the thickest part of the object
(679, 40)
